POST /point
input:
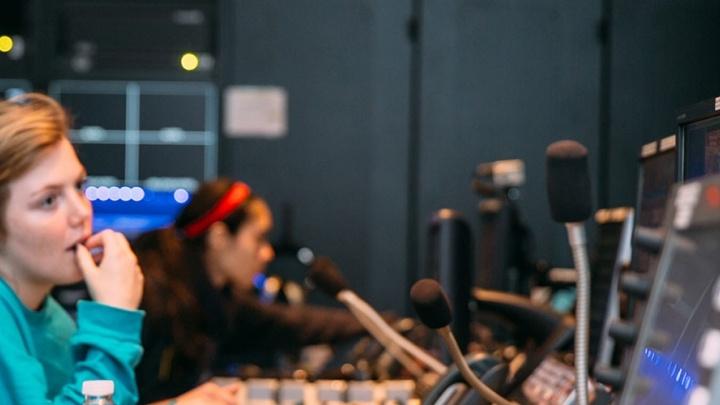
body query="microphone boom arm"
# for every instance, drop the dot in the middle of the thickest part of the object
(465, 371)
(353, 301)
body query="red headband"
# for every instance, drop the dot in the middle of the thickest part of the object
(233, 198)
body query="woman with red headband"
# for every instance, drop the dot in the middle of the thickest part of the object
(202, 314)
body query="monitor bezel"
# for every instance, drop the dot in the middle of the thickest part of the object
(702, 110)
(651, 150)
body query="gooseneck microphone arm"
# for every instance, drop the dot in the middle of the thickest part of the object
(465, 370)
(389, 337)
(576, 238)
(432, 307)
(325, 275)
(365, 318)
(568, 190)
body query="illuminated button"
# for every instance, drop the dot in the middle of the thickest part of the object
(114, 193)
(330, 390)
(125, 194)
(137, 194)
(261, 389)
(712, 196)
(91, 193)
(399, 390)
(362, 392)
(709, 352)
(181, 196)
(292, 391)
(699, 396)
(103, 193)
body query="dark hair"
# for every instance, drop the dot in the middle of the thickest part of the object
(178, 299)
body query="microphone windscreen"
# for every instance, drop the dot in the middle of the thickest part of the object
(568, 181)
(430, 303)
(326, 276)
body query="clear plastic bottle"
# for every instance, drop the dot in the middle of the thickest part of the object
(98, 392)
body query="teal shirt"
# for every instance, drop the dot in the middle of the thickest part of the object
(44, 357)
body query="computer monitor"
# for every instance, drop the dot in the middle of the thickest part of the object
(146, 146)
(13, 87)
(134, 210)
(656, 177)
(657, 174)
(699, 139)
(676, 348)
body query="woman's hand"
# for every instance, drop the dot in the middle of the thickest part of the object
(116, 280)
(210, 394)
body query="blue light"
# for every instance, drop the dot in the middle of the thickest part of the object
(664, 370)
(259, 281)
(132, 210)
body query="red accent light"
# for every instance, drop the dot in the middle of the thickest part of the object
(712, 196)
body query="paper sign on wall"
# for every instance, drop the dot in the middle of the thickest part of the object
(255, 111)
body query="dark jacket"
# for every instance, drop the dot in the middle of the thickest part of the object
(232, 332)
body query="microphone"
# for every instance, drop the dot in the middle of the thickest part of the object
(568, 190)
(325, 275)
(433, 309)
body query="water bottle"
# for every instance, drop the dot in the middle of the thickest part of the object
(98, 392)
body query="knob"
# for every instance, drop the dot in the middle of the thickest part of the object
(636, 285)
(649, 239)
(623, 332)
(613, 377)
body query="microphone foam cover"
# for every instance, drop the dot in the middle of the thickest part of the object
(568, 181)
(430, 303)
(326, 276)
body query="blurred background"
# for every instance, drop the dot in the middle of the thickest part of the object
(357, 119)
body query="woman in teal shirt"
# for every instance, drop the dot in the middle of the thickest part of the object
(45, 240)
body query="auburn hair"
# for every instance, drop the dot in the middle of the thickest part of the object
(30, 124)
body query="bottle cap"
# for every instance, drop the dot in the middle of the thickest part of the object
(98, 388)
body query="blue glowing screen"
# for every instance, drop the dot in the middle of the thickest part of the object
(134, 210)
(671, 381)
(683, 315)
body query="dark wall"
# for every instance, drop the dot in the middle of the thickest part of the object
(384, 130)
(663, 58)
(343, 165)
(502, 80)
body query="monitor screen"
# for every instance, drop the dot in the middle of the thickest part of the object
(657, 176)
(134, 210)
(682, 320)
(677, 347)
(702, 148)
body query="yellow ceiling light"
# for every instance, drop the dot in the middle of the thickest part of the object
(6, 44)
(189, 61)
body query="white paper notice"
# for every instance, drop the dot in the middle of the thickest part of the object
(255, 111)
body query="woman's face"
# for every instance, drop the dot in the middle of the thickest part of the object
(46, 215)
(248, 250)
